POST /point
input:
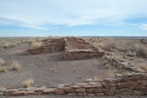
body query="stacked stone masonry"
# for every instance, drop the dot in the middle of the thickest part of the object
(73, 47)
(118, 62)
(77, 48)
(128, 84)
(48, 46)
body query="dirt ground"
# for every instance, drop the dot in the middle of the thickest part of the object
(47, 69)
(61, 96)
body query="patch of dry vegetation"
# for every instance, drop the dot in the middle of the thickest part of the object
(134, 47)
(141, 50)
(2, 61)
(3, 69)
(52, 69)
(36, 44)
(12, 42)
(28, 82)
(16, 66)
(97, 78)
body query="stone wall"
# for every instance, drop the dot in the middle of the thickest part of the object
(73, 47)
(127, 84)
(78, 48)
(120, 63)
(48, 46)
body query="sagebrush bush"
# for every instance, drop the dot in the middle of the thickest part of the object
(28, 83)
(97, 78)
(3, 69)
(36, 44)
(141, 51)
(2, 61)
(16, 66)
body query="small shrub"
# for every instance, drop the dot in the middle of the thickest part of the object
(36, 44)
(109, 45)
(3, 69)
(141, 51)
(131, 54)
(112, 73)
(53, 69)
(97, 78)
(28, 83)
(2, 61)
(16, 66)
(107, 65)
(104, 62)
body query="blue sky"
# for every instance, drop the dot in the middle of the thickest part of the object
(73, 18)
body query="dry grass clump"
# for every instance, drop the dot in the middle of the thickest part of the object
(141, 50)
(52, 69)
(36, 44)
(3, 69)
(131, 54)
(16, 66)
(111, 73)
(10, 44)
(97, 78)
(142, 66)
(104, 62)
(2, 61)
(28, 83)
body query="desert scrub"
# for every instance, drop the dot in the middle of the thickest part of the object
(28, 82)
(3, 69)
(2, 61)
(9, 44)
(141, 50)
(97, 78)
(16, 66)
(36, 44)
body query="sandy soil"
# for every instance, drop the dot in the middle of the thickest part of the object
(39, 68)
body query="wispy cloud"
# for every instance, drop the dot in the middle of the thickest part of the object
(37, 13)
(143, 26)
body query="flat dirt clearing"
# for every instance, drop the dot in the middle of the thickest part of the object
(47, 69)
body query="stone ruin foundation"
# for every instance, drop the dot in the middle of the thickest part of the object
(77, 48)
(128, 84)
(73, 48)
(48, 46)
(134, 84)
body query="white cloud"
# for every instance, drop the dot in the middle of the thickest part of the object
(143, 26)
(37, 13)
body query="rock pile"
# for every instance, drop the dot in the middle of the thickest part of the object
(117, 62)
